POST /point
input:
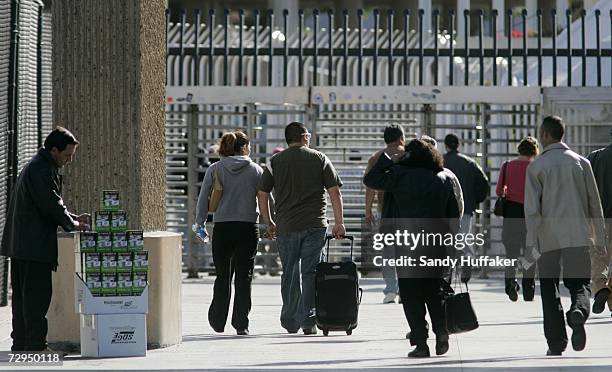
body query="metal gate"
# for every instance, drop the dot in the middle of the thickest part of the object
(347, 126)
(587, 113)
(195, 124)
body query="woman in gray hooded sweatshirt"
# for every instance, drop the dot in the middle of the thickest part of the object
(235, 234)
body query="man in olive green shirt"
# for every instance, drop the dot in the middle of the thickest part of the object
(299, 177)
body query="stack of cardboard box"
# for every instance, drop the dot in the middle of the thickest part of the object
(113, 263)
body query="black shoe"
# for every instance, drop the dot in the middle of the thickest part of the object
(576, 320)
(421, 351)
(528, 292)
(600, 299)
(553, 353)
(292, 330)
(512, 289)
(310, 331)
(441, 347)
(408, 336)
(242, 332)
(217, 329)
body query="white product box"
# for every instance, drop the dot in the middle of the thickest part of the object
(113, 335)
(86, 303)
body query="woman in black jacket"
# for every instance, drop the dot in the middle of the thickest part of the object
(424, 203)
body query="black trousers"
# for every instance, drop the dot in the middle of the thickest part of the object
(234, 245)
(416, 294)
(576, 264)
(31, 291)
(513, 237)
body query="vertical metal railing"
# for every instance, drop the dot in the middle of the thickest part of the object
(379, 50)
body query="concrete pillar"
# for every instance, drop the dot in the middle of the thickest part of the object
(109, 90)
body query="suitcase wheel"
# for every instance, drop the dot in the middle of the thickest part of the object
(325, 332)
(349, 332)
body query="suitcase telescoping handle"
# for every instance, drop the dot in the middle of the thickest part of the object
(330, 237)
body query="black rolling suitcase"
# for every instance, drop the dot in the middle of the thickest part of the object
(337, 294)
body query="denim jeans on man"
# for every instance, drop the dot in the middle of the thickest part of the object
(388, 272)
(466, 228)
(300, 252)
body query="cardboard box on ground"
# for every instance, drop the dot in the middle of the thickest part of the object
(111, 284)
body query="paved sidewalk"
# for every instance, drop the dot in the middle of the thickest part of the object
(510, 337)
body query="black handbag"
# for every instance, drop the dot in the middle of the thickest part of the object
(459, 314)
(500, 203)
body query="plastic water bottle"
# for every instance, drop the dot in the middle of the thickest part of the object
(200, 232)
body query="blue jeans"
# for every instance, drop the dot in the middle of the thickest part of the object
(388, 272)
(300, 252)
(466, 228)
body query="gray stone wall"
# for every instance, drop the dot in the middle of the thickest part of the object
(109, 90)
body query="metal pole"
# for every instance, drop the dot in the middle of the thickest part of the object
(360, 46)
(494, 15)
(13, 87)
(39, 77)
(568, 19)
(270, 46)
(451, 54)
(211, 53)
(182, 46)
(330, 57)
(345, 17)
(597, 31)
(524, 15)
(315, 15)
(256, 47)
(480, 46)
(509, 47)
(390, 57)
(301, 48)
(436, 27)
(583, 38)
(240, 44)
(466, 24)
(286, 47)
(553, 14)
(375, 57)
(421, 14)
(226, 46)
(539, 14)
(192, 188)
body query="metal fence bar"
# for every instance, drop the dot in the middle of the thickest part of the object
(373, 53)
(270, 49)
(568, 17)
(39, 109)
(390, 71)
(539, 15)
(436, 16)
(256, 48)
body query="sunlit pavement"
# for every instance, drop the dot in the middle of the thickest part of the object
(510, 337)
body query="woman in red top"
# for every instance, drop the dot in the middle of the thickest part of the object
(513, 233)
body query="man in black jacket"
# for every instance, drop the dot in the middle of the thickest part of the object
(601, 161)
(35, 211)
(475, 187)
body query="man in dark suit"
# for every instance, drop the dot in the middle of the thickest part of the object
(36, 209)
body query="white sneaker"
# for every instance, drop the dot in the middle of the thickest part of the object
(389, 298)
